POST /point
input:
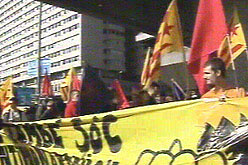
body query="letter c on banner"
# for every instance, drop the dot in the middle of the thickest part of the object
(115, 142)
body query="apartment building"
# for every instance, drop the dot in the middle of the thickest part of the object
(31, 31)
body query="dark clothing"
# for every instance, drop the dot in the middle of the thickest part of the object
(40, 110)
(30, 113)
(60, 106)
(95, 96)
(152, 101)
(49, 114)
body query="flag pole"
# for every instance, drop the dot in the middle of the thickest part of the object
(184, 59)
(232, 61)
(179, 87)
(38, 89)
(144, 73)
(246, 51)
(186, 74)
(174, 95)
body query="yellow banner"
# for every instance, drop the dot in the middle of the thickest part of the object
(186, 132)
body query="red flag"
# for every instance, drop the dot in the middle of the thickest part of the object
(121, 95)
(46, 86)
(210, 29)
(76, 83)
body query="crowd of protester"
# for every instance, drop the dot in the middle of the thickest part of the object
(94, 97)
(55, 107)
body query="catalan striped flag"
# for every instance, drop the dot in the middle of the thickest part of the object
(169, 39)
(237, 36)
(6, 93)
(231, 48)
(224, 52)
(71, 82)
(146, 67)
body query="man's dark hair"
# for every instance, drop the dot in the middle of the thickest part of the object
(217, 64)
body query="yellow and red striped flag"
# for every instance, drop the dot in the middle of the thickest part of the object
(224, 52)
(66, 85)
(237, 36)
(237, 42)
(146, 67)
(6, 93)
(169, 40)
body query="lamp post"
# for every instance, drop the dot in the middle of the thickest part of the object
(39, 53)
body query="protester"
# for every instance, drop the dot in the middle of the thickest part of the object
(51, 111)
(119, 96)
(71, 107)
(134, 95)
(214, 74)
(145, 99)
(30, 112)
(169, 99)
(12, 113)
(41, 107)
(155, 91)
(94, 96)
(194, 95)
(114, 101)
(60, 106)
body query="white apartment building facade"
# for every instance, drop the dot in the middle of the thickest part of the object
(68, 39)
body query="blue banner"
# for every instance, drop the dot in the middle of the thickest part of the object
(45, 65)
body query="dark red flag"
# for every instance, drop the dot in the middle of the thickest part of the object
(210, 29)
(123, 102)
(47, 87)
